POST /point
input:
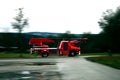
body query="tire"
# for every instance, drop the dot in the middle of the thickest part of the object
(72, 54)
(45, 54)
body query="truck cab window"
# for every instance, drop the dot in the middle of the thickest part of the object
(65, 46)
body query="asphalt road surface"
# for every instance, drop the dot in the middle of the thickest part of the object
(55, 68)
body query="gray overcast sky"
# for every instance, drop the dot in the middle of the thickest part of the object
(77, 16)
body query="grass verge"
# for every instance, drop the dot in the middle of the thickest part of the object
(4, 55)
(112, 61)
(93, 54)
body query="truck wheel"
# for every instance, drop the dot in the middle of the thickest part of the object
(45, 54)
(72, 54)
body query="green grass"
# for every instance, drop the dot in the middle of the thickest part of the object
(92, 54)
(4, 55)
(100, 54)
(112, 61)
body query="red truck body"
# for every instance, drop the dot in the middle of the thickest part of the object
(38, 46)
(66, 47)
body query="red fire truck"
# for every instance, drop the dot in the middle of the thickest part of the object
(66, 47)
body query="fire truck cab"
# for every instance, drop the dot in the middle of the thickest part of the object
(70, 48)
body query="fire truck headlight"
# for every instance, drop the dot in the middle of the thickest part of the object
(79, 52)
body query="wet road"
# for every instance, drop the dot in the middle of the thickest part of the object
(56, 68)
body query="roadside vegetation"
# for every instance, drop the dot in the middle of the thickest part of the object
(10, 55)
(94, 54)
(112, 61)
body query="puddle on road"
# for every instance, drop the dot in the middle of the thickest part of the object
(29, 63)
(31, 75)
(42, 63)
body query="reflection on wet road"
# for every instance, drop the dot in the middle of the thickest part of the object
(30, 75)
(62, 68)
(29, 69)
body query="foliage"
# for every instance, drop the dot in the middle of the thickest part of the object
(92, 43)
(20, 21)
(19, 24)
(4, 55)
(67, 35)
(10, 41)
(110, 23)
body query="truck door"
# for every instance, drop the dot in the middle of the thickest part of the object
(65, 48)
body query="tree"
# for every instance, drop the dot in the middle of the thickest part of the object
(68, 35)
(19, 24)
(91, 44)
(110, 24)
(20, 21)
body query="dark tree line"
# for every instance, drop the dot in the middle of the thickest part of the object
(94, 43)
(109, 39)
(11, 41)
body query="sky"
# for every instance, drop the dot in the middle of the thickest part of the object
(76, 16)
